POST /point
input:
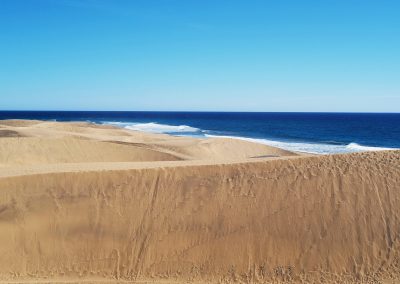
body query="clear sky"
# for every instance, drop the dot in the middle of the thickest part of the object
(270, 55)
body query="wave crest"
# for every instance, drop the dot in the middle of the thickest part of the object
(154, 127)
(358, 147)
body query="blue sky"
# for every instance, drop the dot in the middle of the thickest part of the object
(341, 55)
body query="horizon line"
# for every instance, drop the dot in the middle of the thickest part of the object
(200, 111)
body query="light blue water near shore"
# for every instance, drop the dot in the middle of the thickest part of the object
(322, 133)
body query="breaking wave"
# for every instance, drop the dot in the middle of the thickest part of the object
(155, 127)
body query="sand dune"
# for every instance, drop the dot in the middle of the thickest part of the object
(214, 214)
(86, 142)
(222, 148)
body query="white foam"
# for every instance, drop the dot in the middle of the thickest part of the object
(358, 147)
(313, 148)
(155, 127)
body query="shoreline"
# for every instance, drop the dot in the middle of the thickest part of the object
(299, 146)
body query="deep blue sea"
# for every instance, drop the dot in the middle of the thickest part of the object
(305, 132)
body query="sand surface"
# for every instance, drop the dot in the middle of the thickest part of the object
(81, 202)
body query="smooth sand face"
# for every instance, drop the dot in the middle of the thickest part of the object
(81, 202)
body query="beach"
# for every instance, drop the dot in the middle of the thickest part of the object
(84, 202)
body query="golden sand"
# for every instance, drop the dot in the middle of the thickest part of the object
(86, 203)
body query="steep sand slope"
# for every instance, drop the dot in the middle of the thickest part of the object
(322, 219)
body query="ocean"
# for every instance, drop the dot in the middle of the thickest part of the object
(320, 133)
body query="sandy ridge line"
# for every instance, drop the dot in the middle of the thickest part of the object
(31, 170)
(92, 281)
(44, 169)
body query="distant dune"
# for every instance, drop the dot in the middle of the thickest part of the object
(83, 202)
